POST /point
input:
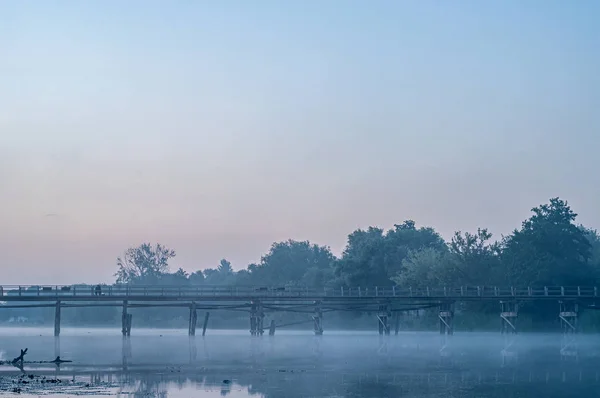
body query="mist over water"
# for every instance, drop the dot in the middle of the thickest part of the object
(168, 363)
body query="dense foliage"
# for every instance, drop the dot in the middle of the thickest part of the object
(549, 249)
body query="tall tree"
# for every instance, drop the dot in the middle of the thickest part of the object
(549, 249)
(243, 278)
(594, 238)
(474, 259)
(196, 278)
(222, 275)
(144, 263)
(225, 267)
(293, 263)
(425, 267)
(373, 258)
(363, 259)
(177, 278)
(406, 237)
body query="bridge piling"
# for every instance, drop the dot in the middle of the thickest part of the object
(446, 316)
(568, 316)
(508, 316)
(318, 319)
(252, 320)
(57, 319)
(272, 328)
(383, 318)
(125, 320)
(397, 325)
(205, 323)
(256, 318)
(192, 320)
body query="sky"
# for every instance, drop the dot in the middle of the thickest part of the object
(219, 127)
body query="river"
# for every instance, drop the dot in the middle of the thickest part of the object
(167, 363)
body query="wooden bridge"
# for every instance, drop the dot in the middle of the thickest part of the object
(258, 299)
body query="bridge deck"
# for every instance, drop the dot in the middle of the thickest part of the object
(245, 293)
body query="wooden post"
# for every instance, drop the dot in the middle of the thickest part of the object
(205, 323)
(569, 311)
(446, 317)
(124, 319)
(397, 326)
(57, 319)
(272, 328)
(383, 319)
(253, 319)
(509, 312)
(318, 319)
(388, 315)
(256, 319)
(568, 314)
(193, 320)
(260, 319)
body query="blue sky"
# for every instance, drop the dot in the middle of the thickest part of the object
(218, 127)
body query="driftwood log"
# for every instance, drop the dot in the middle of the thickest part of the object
(20, 357)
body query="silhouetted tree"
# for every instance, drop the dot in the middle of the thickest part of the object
(196, 278)
(373, 258)
(549, 249)
(474, 259)
(291, 263)
(225, 267)
(425, 267)
(143, 264)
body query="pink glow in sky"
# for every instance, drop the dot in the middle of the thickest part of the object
(217, 128)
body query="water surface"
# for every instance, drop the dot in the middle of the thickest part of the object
(167, 363)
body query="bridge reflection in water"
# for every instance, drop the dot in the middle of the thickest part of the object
(402, 365)
(151, 381)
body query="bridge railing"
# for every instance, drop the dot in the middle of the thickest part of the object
(296, 291)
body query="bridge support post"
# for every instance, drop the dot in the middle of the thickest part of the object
(569, 313)
(253, 319)
(256, 319)
(272, 328)
(318, 319)
(206, 316)
(383, 317)
(397, 325)
(509, 312)
(193, 319)
(126, 320)
(57, 319)
(568, 316)
(446, 316)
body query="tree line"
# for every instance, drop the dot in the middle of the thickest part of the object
(549, 249)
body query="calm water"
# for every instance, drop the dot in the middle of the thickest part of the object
(166, 363)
